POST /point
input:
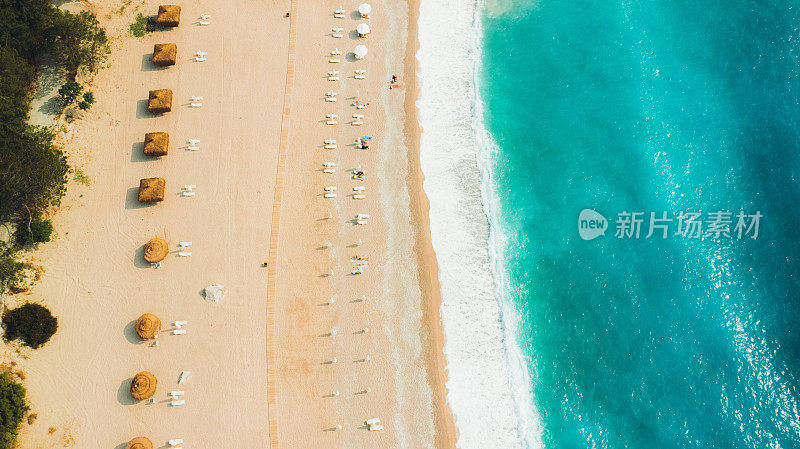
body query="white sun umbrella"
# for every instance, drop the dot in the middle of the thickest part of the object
(360, 51)
(364, 9)
(363, 29)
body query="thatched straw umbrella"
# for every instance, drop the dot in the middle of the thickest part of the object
(139, 443)
(165, 54)
(147, 326)
(156, 250)
(160, 101)
(143, 385)
(169, 15)
(156, 144)
(151, 190)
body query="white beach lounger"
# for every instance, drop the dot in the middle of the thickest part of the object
(331, 93)
(334, 61)
(184, 254)
(330, 147)
(331, 115)
(329, 188)
(205, 16)
(329, 171)
(361, 106)
(180, 324)
(357, 123)
(330, 195)
(177, 403)
(193, 141)
(191, 148)
(331, 99)
(359, 188)
(190, 186)
(184, 244)
(332, 122)
(336, 52)
(329, 164)
(175, 442)
(179, 332)
(333, 72)
(201, 53)
(199, 59)
(338, 16)
(337, 35)
(176, 393)
(360, 77)
(330, 141)
(359, 197)
(362, 222)
(360, 71)
(188, 193)
(333, 78)
(363, 216)
(184, 376)
(358, 116)
(196, 105)
(196, 99)
(204, 22)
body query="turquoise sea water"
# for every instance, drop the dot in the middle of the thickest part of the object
(650, 106)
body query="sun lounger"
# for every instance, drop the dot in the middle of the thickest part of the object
(204, 22)
(184, 376)
(358, 116)
(184, 254)
(188, 193)
(334, 61)
(363, 216)
(336, 52)
(333, 78)
(330, 141)
(359, 188)
(176, 393)
(329, 188)
(177, 403)
(332, 122)
(185, 243)
(202, 53)
(331, 115)
(330, 195)
(175, 442)
(193, 141)
(205, 16)
(190, 186)
(179, 332)
(337, 29)
(196, 105)
(338, 16)
(195, 98)
(180, 324)
(331, 93)
(337, 35)
(357, 123)
(191, 148)
(359, 197)
(330, 147)
(329, 164)
(330, 99)
(329, 171)
(360, 71)
(362, 222)
(333, 72)
(200, 59)
(360, 77)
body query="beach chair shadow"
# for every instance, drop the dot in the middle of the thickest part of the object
(124, 392)
(132, 199)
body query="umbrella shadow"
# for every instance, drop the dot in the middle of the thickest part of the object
(124, 393)
(132, 199)
(138, 259)
(148, 66)
(137, 153)
(142, 111)
(131, 335)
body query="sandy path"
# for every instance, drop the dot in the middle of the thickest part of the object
(96, 282)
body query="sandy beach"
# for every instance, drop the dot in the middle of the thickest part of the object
(258, 358)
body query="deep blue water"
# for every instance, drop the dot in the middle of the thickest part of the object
(651, 106)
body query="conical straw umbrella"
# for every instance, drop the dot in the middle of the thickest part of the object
(147, 326)
(156, 250)
(139, 443)
(143, 385)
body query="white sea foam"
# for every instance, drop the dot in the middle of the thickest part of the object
(479, 379)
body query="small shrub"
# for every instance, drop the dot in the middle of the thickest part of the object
(81, 176)
(69, 92)
(32, 323)
(12, 270)
(140, 26)
(38, 231)
(87, 102)
(12, 410)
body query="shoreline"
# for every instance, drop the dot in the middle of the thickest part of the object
(446, 430)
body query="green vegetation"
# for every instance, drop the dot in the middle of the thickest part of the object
(140, 26)
(37, 231)
(12, 270)
(87, 102)
(12, 410)
(32, 170)
(32, 323)
(69, 92)
(81, 177)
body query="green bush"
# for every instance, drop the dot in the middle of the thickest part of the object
(69, 92)
(12, 274)
(38, 231)
(88, 101)
(32, 323)
(12, 410)
(140, 26)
